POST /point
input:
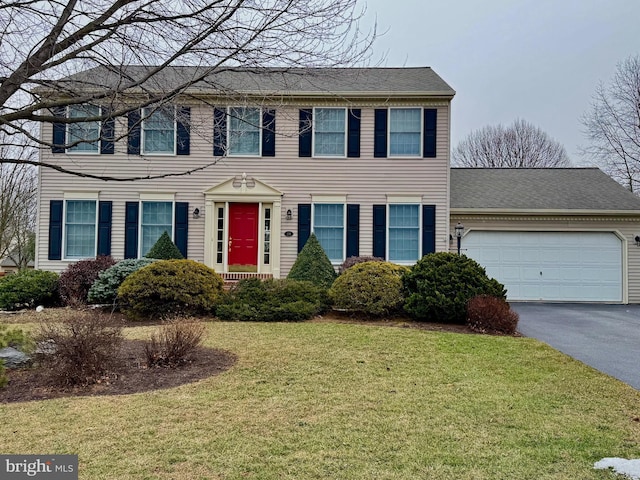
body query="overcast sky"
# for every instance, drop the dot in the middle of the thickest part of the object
(539, 60)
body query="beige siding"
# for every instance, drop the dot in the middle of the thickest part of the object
(365, 180)
(625, 226)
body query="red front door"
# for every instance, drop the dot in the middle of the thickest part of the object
(243, 236)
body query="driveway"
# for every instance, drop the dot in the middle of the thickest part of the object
(606, 337)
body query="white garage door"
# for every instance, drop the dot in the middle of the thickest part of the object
(554, 266)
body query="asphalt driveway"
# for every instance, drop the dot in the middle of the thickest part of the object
(605, 337)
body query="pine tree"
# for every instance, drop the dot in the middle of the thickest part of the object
(313, 265)
(164, 249)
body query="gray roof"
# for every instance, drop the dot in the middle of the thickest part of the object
(410, 81)
(539, 189)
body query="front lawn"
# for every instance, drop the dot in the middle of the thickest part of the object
(341, 401)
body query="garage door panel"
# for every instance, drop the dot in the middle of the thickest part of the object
(561, 266)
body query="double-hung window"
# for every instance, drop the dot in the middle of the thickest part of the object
(244, 131)
(329, 132)
(80, 224)
(159, 131)
(156, 218)
(404, 233)
(83, 137)
(405, 132)
(329, 228)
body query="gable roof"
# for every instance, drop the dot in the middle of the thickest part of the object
(269, 81)
(539, 189)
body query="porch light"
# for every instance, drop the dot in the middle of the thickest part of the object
(289, 214)
(459, 228)
(637, 239)
(196, 213)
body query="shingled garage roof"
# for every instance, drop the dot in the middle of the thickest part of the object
(290, 81)
(555, 189)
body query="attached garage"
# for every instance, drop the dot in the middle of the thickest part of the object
(551, 266)
(557, 235)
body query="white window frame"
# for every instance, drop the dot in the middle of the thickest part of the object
(388, 235)
(81, 197)
(67, 133)
(332, 201)
(155, 198)
(147, 112)
(260, 129)
(313, 136)
(421, 144)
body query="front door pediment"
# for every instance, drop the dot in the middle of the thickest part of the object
(242, 187)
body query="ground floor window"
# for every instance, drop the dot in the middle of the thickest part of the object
(156, 218)
(404, 233)
(80, 223)
(329, 228)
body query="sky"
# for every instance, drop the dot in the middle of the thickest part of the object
(539, 60)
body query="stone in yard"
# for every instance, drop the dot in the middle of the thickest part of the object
(14, 358)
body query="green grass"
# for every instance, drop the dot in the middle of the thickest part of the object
(339, 401)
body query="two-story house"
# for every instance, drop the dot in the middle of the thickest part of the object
(359, 156)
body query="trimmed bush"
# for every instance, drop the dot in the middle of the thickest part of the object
(370, 288)
(170, 287)
(439, 285)
(28, 288)
(273, 300)
(313, 265)
(84, 349)
(105, 288)
(351, 261)
(164, 249)
(486, 314)
(174, 343)
(78, 278)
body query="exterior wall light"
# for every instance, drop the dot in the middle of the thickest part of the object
(459, 228)
(196, 213)
(289, 214)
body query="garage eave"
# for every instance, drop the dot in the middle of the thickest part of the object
(543, 211)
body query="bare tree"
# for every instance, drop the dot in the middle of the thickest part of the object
(45, 45)
(17, 208)
(520, 145)
(613, 125)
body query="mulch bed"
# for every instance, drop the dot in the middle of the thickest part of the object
(132, 377)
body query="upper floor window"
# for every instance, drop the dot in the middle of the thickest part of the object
(329, 228)
(80, 223)
(405, 132)
(156, 218)
(159, 131)
(83, 136)
(245, 129)
(329, 132)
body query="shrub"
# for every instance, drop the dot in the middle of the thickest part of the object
(273, 300)
(351, 261)
(313, 265)
(486, 314)
(84, 349)
(28, 288)
(173, 343)
(170, 287)
(164, 249)
(105, 288)
(371, 288)
(77, 279)
(439, 286)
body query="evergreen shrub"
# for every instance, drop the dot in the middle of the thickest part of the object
(164, 249)
(28, 288)
(351, 261)
(313, 265)
(105, 289)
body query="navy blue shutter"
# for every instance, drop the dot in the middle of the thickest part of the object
(379, 231)
(104, 228)
(183, 125)
(353, 137)
(135, 130)
(430, 120)
(353, 230)
(219, 132)
(305, 138)
(182, 227)
(59, 131)
(55, 230)
(428, 229)
(304, 224)
(107, 132)
(269, 133)
(131, 230)
(380, 133)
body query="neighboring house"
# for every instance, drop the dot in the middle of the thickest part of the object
(563, 234)
(358, 156)
(8, 265)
